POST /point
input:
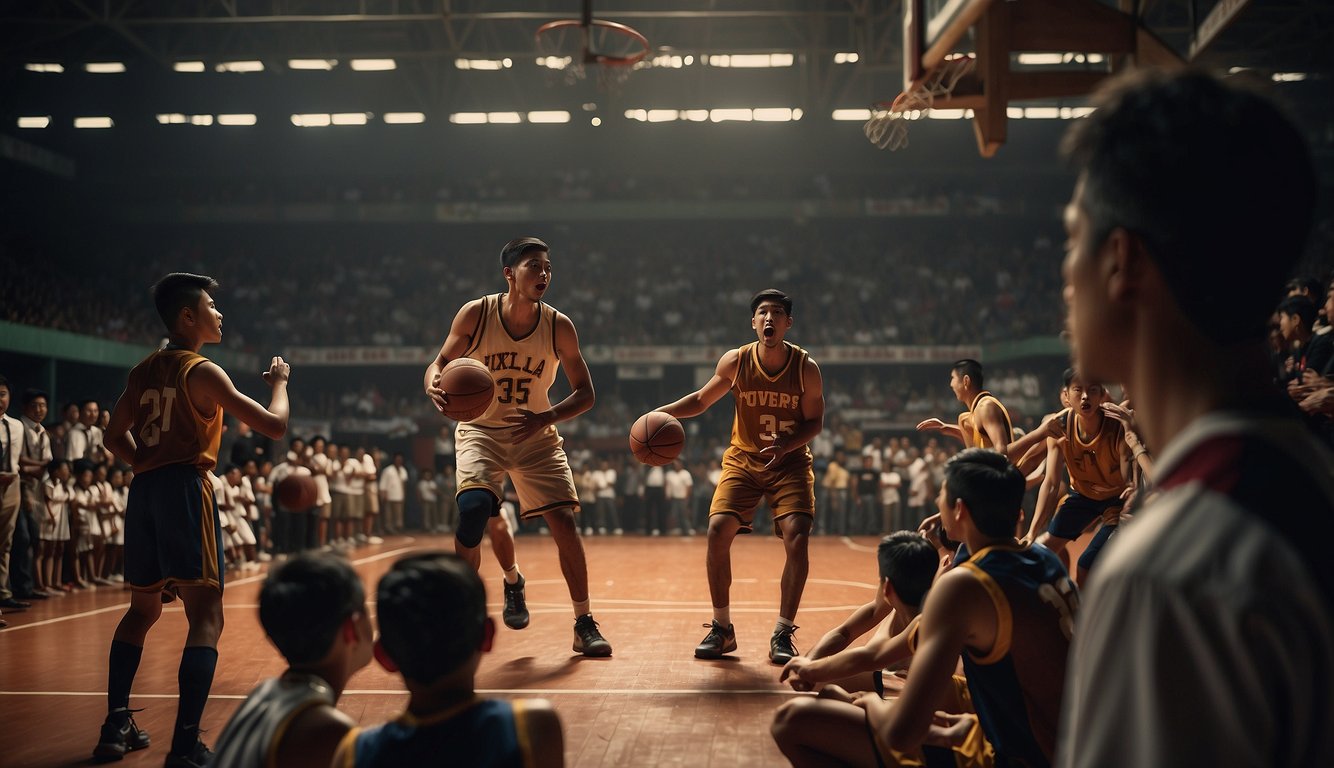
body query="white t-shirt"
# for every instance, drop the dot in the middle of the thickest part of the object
(890, 483)
(677, 483)
(320, 468)
(393, 482)
(655, 477)
(426, 489)
(919, 482)
(606, 483)
(83, 442)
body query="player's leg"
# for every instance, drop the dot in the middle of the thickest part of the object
(796, 530)
(819, 732)
(515, 612)
(203, 610)
(721, 639)
(477, 506)
(574, 567)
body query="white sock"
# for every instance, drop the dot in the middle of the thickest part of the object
(782, 624)
(512, 574)
(581, 608)
(723, 615)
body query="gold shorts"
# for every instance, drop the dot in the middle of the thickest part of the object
(789, 488)
(538, 467)
(974, 752)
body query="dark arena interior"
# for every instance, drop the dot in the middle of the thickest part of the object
(350, 173)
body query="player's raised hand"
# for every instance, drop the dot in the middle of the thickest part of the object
(278, 371)
(931, 425)
(527, 423)
(439, 398)
(1120, 413)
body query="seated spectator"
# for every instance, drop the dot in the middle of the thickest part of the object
(313, 608)
(438, 652)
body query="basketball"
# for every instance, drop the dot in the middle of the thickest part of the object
(656, 438)
(296, 492)
(469, 388)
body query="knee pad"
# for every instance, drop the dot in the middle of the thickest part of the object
(476, 507)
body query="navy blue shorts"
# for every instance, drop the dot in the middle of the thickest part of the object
(172, 534)
(1076, 512)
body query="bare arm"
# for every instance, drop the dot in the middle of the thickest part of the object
(1052, 426)
(581, 398)
(992, 421)
(936, 425)
(460, 337)
(880, 652)
(812, 418)
(118, 439)
(210, 385)
(1051, 486)
(545, 735)
(311, 739)
(861, 621)
(698, 402)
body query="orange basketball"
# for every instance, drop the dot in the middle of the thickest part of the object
(656, 438)
(296, 493)
(469, 388)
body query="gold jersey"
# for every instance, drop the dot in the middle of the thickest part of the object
(523, 367)
(1095, 464)
(977, 438)
(167, 427)
(767, 403)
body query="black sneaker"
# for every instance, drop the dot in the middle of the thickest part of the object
(199, 756)
(781, 649)
(120, 735)
(516, 605)
(587, 639)
(720, 640)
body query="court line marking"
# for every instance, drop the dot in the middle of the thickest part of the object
(481, 691)
(122, 606)
(854, 546)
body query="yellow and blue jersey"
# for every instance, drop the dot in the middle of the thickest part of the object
(480, 733)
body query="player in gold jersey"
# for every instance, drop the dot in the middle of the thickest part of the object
(779, 398)
(167, 426)
(990, 421)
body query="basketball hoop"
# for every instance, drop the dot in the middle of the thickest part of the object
(568, 47)
(888, 126)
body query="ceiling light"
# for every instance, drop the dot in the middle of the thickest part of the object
(468, 118)
(249, 65)
(852, 114)
(44, 66)
(188, 66)
(35, 121)
(404, 118)
(236, 119)
(312, 64)
(557, 116)
(93, 122)
(373, 65)
(104, 67)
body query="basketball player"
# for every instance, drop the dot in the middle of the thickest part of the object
(437, 651)
(1092, 446)
(1216, 601)
(167, 426)
(779, 397)
(523, 341)
(313, 608)
(990, 421)
(1008, 611)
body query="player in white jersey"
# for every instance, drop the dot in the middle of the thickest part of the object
(523, 341)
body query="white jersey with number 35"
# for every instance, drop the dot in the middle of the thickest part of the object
(523, 366)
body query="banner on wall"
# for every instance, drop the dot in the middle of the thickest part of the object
(640, 362)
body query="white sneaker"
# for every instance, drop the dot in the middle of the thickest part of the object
(361, 538)
(602, 531)
(656, 532)
(265, 557)
(618, 532)
(375, 540)
(588, 531)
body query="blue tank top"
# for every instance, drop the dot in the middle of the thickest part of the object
(1017, 687)
(484, 733)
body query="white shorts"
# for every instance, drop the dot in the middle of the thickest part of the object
(242, 532)
(538, 467)
(118, 538)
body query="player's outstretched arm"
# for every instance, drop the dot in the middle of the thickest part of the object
(461, 333)
(812, 417)
(936, 425)
(210, 385)
(698, 402)
(858, 623)
(1051, 427)
(804, 673)
(1048, 493)
(991, 419)
(118, 439)
(581, 397)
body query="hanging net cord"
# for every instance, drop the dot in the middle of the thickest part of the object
(888, 126)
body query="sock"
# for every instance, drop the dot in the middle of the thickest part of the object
(123, 663)
(195, 678)
(723, 615)
(782, 624)
(512, 574)
(581, 608)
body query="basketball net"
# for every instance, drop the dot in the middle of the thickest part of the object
(567, 48)
(888, 126)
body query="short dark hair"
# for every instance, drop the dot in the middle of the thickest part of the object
(305, 600)
(4, 382)
(970, 368)
(1067, 377)
(516, 248)
(32, 394)
(229, 468)
(909, 562)
(54, 465)
(1308, 285)
(178, 291)
(990, 485)
(429, 644)
(1167, 156)
(771, 294)
(1301, 307)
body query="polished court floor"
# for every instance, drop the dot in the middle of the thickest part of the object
(651, 704)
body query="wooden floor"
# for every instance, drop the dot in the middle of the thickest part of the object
(651, 704)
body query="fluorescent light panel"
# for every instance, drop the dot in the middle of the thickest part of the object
(851, 57)
(404, 118)
(751, 60)
(484, 64)
(34, 121)
(104, 67)
(861, 115)
(549, 117)
(93, 122)
(48, 67)
(373, 65)
(176, 118)
(312, 64)
(236, 119)
(350, 118)
(188, 66)
(249, 65)
(554, 62)
(468, 118)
